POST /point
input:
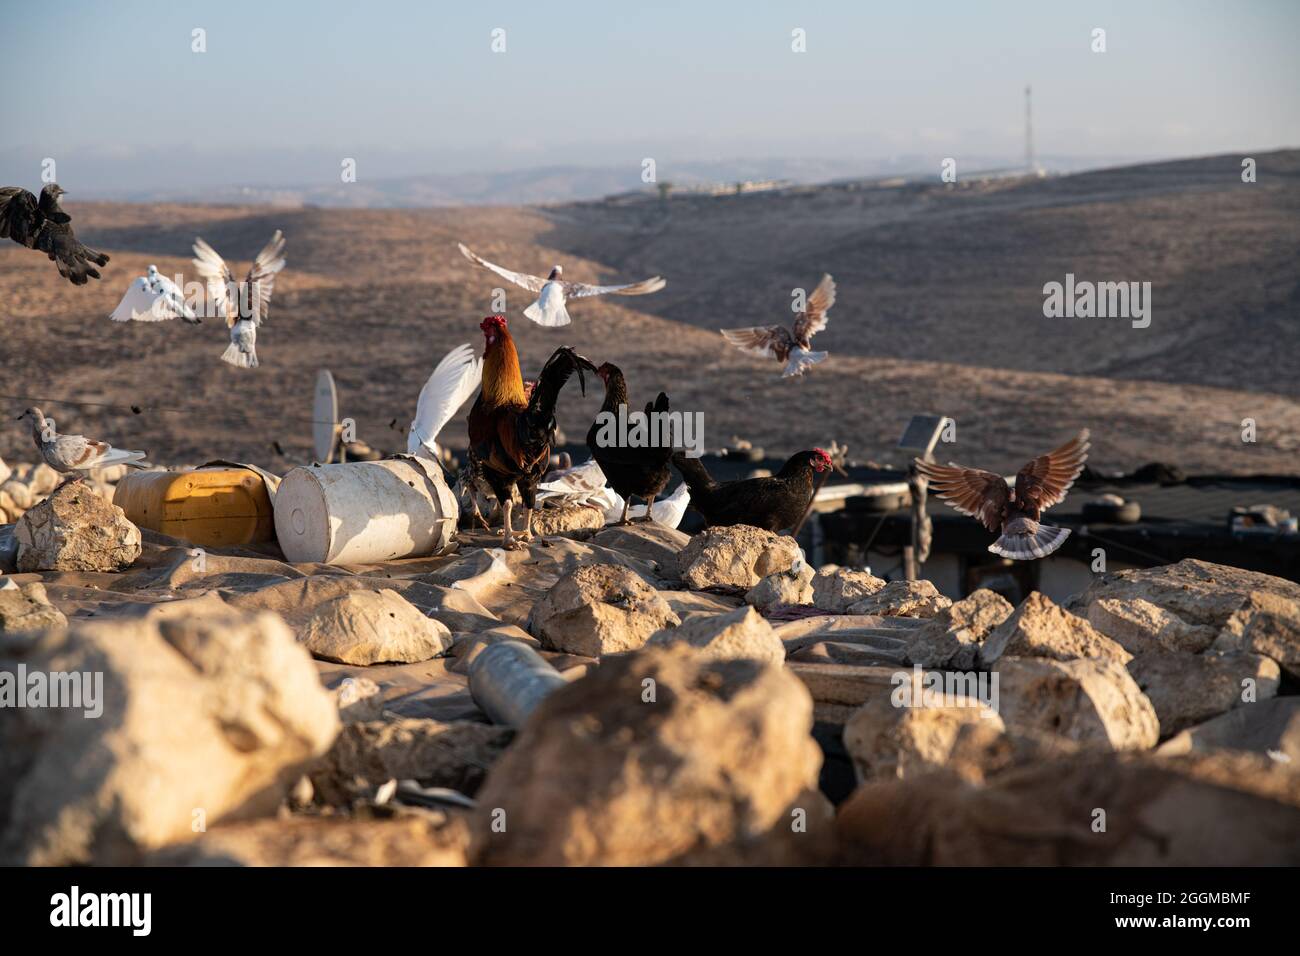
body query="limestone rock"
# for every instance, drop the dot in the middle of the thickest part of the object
(1269, 728)
(652, 542)
(568, 517)
(373, 627)
(952, 637)
(1266, 623)
(788, 588)
(1039, 628)
(742, 633)
(1088, 700)
(887, 741)
(28, 609)
(1202, 810)
(43, 479)
(734, 556)
(903, 599)
(436, 754)
(834, 589)
(76, 530)
(599, 609)
(1140, 626)
(204, 718)
(358, 700)
(719, 767)
(1186, 689)
(19, 496)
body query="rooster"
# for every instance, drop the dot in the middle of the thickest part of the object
(640, 471)
(1015, 512)
(510, 431)
(771, 503)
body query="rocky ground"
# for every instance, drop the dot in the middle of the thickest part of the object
(709, 700)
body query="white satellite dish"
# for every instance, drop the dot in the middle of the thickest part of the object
(325, 417)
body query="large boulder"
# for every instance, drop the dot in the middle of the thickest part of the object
(742, 633)
(599, 609)
(952, 638)
(1088, 700)
(664, 756)
(1253, 612)
(903, 599)
(76, 530)
(835, 589)
(736, 556)
(373, 627)
(1269, 728)
(886, 740)
(1088, 809)
(1039, 628)
(200, 719)
(1140, 626)
(788, 588)
(27, 608)
(1186, 689)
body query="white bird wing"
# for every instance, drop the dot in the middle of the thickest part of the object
(453, 381)
(216, 275)
(136, 303)
(580, 290)
(813, 319)
(261, 276)
(171, 302)
(521, 279)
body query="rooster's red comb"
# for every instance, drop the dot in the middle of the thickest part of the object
(492, 322)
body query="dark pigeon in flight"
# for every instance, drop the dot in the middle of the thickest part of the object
(42, 224)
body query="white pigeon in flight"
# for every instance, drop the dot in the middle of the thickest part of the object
(553, 291)
(244, 305)
(455, 379)
(153, 298)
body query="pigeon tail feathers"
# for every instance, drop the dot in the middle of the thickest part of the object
(1030, 544)
(801, 361)
(551, 316)
(237, 357)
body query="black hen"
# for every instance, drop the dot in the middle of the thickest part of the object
(771, 503)
(642, 470)
(42, 224)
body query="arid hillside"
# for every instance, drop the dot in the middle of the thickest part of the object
(940, 310)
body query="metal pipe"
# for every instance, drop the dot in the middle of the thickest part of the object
(508, 679)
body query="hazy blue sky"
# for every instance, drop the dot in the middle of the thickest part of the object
(113, 89)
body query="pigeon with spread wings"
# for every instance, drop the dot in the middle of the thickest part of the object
(792, 348)
(455, 379)
(553, 292)
(42, 224)
(243, 305)
(1013, 512)
(153, 298)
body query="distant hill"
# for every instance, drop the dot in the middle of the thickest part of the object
(940, 310)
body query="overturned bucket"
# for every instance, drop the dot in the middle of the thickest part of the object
(364, 512)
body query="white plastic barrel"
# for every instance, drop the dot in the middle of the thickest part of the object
(363, 512)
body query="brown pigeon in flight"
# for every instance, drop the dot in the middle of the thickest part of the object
(791, 348)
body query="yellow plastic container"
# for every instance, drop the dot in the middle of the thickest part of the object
(214, 507)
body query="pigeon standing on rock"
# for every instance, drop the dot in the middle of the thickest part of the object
(42, 224)
(153, 298)
(75, 454)
(553, 291)
(791, 348)
(244, 305)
